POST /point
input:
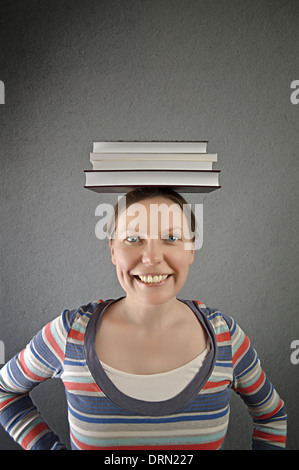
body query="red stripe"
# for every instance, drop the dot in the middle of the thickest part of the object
(252, 387)
(268, 415)
(269, 437)
(39, 428)
(216, 384)
(51, 340)
(86, 387)
(80, 444)
(27, 371)
(207, 446)
(244, 346)
(74, 334)
(223, 337)
(198, 302)
(4, 403)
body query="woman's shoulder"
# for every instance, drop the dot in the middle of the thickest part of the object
(216, 316)
(77, 317)
(85, 311)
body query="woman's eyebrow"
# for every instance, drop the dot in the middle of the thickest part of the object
(165, 231)
(129, 232)
(171, 229)
(181, 230)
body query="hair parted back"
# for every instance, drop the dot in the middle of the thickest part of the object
(138, 194)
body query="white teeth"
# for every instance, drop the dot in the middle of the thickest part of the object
(153, 279)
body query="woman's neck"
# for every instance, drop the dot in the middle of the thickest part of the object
(151, 317)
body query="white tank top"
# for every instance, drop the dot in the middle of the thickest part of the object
(156, 387)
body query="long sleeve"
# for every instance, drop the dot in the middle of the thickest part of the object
(42, 359)
(263, 402)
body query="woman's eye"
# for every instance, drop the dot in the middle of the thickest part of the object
(136, 238)
(173, 238)
(132, 238)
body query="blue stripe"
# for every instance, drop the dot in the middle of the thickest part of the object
(148, 420)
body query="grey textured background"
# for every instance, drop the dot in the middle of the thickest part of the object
(78, 71)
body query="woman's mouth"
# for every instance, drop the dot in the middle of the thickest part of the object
(153, 280)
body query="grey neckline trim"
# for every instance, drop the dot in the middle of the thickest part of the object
(141, 407)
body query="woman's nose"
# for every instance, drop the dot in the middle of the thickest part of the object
(152, 253)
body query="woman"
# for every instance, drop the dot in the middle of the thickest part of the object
(147, 370)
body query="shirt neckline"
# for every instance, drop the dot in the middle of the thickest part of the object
(134, 405)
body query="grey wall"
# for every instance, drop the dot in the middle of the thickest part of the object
(77, 71)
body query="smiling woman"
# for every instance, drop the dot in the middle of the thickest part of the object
(147, 370)
(147, 247)
(152, 270)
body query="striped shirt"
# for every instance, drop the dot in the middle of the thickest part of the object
(102, 417)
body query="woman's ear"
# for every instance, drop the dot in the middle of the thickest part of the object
(112, 251)
(192, 253)
(190, 247)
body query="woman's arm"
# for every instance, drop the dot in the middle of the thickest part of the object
(264, 404)
(42, 359)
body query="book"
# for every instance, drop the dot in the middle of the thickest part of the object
(126, 156)
(121, 166)
(150, 147)
(150, 165)
(101, 180)
(125, 189)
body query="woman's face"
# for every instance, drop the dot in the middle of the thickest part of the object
(152, 250)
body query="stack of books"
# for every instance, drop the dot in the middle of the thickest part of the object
(122, 166)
